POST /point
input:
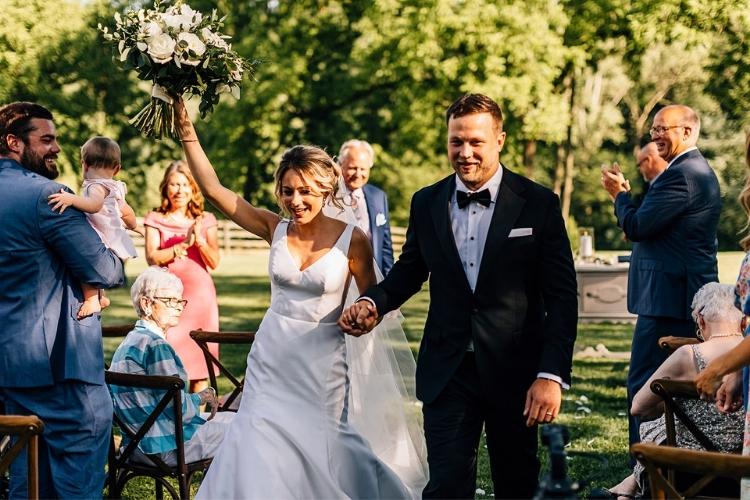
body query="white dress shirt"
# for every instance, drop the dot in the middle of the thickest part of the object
(470, 226)
(359, 207)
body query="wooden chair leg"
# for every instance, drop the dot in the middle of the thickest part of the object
(159, 489)
(33, 464)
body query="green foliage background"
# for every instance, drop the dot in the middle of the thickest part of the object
(578, 80)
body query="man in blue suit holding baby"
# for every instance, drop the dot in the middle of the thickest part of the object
(51, 363)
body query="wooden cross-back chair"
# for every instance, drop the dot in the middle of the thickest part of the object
(123, 467)
(203, 338)
(684, 481)
(703, 466)
(26, 429)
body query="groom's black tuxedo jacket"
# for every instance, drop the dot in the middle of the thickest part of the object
(522, 314)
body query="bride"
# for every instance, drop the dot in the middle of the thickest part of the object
(323, 415)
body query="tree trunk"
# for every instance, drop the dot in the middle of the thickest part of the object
(567, 191)
(529, 155)
(559, 170)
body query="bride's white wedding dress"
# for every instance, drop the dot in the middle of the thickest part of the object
(291, 437)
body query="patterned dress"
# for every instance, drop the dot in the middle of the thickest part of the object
(741, 291)
(723, 430)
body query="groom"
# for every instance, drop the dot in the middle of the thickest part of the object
(498, 341)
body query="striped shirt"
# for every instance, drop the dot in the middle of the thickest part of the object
(145, 351)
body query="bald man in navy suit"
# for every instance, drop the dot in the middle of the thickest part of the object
(673, 232)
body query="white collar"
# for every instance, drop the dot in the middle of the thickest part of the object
(681, 154)
(493, 184)
(151, 327)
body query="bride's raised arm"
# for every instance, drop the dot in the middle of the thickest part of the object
(258, 221)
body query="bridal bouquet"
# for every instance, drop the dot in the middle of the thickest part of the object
(180, 51)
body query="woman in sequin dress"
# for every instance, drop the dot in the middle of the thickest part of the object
(719, 325)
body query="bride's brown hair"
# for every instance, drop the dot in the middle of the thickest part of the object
(313, 163)
(744, 197)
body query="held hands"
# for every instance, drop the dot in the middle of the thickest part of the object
(729, 394)
(727, 391)
(543, 401)
(61, 201)
(209, 398)
(613, 181)
(707, 382)
(359, 318)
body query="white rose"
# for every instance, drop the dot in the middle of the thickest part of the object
(223, 88)
(161, 48)
(236, 75)
(212, 38)
(194, 16)
(190, 42)
(150, 29)
(176, 21)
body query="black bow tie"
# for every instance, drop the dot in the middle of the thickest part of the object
(482, 197)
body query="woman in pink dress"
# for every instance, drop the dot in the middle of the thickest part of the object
(183, 238)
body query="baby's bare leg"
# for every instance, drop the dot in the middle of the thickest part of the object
(91, 303)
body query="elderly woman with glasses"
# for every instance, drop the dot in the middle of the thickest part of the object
(157, 299)
(719, 328)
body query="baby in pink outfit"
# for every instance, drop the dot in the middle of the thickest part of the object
(102, 199)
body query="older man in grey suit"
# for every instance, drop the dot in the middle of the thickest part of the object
(51, 363)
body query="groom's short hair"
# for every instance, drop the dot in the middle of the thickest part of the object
(469, 104)
(15, 119)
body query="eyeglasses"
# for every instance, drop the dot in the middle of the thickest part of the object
(172, 302)
(660, 131)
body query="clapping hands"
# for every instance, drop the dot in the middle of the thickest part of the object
(359, 318)
(209, 398)
(613, 180)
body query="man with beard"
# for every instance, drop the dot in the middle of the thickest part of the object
(674, 241)
(51, 363)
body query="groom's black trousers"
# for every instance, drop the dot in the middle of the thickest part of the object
(453, 426)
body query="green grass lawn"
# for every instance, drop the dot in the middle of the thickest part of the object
(594, 408)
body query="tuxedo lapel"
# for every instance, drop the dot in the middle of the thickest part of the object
(440, 212)
(507, 209)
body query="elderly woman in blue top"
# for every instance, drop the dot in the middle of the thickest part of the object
(157, 298)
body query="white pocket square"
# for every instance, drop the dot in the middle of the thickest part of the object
(520, 231)
(380, 219)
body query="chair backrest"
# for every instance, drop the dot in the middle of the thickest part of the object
(203, 338)
(26, 429)
(670, 343)
(171, 401)
(116, 330)
(670, 390)
(701, 466)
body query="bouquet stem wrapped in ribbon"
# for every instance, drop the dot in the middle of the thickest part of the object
(178, 50)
